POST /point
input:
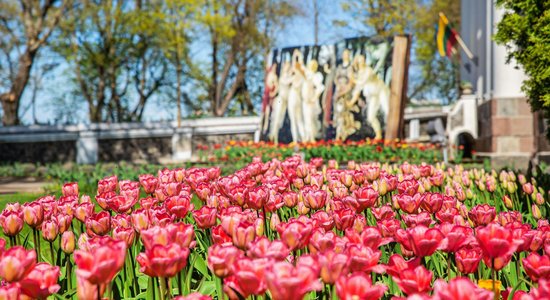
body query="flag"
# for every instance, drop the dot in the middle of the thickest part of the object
(446, 37)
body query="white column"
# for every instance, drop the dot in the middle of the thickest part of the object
(182, 147)
(414, 129)
(87, 149)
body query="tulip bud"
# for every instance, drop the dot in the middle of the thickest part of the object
(539, 199)
(469, 194)
(259, 226)
(67, 242)
(536, 212)
(511, 187)
(70, 189)
(528, 188)
(521, 178)
(50, 230)
(507, 202)
(274, 221)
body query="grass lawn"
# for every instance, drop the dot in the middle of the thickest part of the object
(18, 197)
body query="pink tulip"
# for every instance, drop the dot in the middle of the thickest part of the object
(358, 286)
(41, 282)
(11, 222)
(33, 213)
(286, 282)
(163, 260)
(102, 262)
(221, 258)
(16, 263)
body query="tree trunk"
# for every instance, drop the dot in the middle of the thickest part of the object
(10, 109)
(178, 100)
(11, 99)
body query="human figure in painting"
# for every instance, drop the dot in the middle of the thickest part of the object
(280, 102)
(270, 91)
(312, 88)
(374, 88)
(344, 107)
(295, 97)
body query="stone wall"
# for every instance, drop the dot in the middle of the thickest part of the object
(152, 150)
(506, 132)
(133, 142)
(39, 152)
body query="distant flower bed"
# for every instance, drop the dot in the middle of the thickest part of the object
(365, 150)
(284, 229)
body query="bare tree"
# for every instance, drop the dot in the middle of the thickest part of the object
(25, 27)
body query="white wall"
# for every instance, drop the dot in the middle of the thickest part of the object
(492, 77)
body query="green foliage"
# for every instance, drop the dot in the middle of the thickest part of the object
(525, 31)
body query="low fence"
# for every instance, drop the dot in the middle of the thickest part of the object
(152, 142)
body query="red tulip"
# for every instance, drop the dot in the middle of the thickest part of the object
(193, 296)
(366, 197)
(219, 236)
(290, 199)
(408, 203)
(179, 205)
(323, 220)
(497, 244)
(184, 234)
(99, 223)
(383, 212)
(358, 286)
(63, 221)
(295, 234)
(432, 202)
(467, 259)
(343, 218)
(41, 282)
(122, 203)
(70, 189)
(482, 214)
(322, 240)
(263, 248)
(396, 265)
(412, 281)
(333, 265)
(460, 288)
(408, 187)
(221, 258)
(314, 198)
(148, 182)
(83, 211)
(11, 222)
(100, 264)
(537, 266)
(286, 282)
(86, 290)
(388, 227)
(102, 198)
(423, 241)
(248, 277)
(33, 213)
(124, 234)
(243, 234)
(10, 291)
(107, 184)
(163, 260)
(423, 218)
(141, 219)
(456, 236)
(16, 263)
(257, 197)
(364, 259)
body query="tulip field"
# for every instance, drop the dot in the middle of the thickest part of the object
(283, 229)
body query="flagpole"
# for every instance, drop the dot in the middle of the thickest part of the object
(458, 38)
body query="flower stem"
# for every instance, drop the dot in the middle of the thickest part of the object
(162, 288)
(52, 253)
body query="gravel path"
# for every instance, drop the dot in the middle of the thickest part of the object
(12, 185)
